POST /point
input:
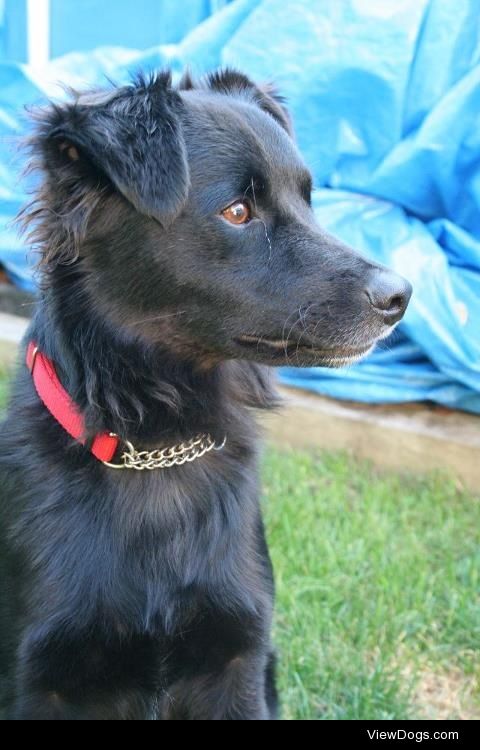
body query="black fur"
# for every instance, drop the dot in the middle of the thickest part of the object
(150, 596)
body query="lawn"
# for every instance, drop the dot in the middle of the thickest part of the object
(3, 393)
(3, 385)
(378, 613)
(378, 577)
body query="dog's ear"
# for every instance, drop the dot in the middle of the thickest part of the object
(266, 96)
(276, 104)
(131, 136)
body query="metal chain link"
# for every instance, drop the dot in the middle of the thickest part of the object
(166, 457)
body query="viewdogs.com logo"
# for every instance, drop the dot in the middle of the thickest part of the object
(404, 734)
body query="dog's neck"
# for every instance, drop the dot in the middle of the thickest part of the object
(139, 390)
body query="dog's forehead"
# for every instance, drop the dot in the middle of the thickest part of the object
(225, 132)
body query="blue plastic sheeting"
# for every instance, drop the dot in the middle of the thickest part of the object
(386, 103)
(13, 37)
(123, 23)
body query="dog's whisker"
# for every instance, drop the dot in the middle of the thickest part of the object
(269, 241)
(285, 340)
(294, 324)
(156, 318)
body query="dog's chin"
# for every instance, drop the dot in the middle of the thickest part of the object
(280, 353)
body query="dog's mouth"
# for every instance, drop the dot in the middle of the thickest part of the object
(291, 351)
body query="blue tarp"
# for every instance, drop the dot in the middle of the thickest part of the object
(385, 98)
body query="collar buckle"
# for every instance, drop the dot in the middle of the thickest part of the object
(32, 357)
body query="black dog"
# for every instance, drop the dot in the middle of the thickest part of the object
(180, 255)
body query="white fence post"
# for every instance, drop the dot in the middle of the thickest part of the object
(38, 32)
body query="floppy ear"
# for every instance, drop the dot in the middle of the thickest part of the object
(274, 103)
(132, 136)
(266, 96)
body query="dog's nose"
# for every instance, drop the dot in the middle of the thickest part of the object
(389, 294)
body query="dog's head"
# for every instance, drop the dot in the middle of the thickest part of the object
(185, 215)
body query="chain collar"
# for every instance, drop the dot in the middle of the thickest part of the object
(166, 457)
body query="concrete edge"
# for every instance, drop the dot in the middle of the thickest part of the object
(411, 439)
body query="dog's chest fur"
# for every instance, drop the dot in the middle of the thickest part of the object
(142, 551)
(152, 571)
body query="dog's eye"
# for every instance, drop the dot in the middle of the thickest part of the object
(238, 213)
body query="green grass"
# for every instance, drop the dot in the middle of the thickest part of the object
(378, 577)
(3, 386)
(8, 358)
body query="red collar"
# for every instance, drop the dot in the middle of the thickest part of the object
(62, 408)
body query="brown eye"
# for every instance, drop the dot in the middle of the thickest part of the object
(238, 213)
